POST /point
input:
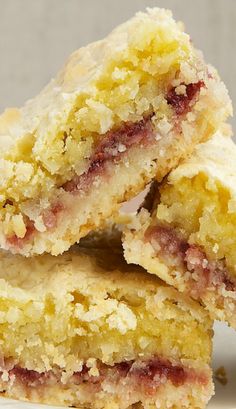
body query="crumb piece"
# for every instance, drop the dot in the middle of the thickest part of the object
(181, 90)
(221, 376)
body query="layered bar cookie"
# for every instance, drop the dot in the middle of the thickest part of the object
(86, 330)
(189, 238)
(121, 111)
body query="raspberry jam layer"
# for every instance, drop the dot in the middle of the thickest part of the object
(112, 147)
(15, 241)
(174, 249)
(145, 376)
(182, 103)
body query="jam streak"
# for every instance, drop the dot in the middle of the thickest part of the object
(182, 103)
(145, 376)
(167, 242)
(112, 146)
(16, 241)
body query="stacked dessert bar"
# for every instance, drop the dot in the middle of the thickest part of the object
(187, 237)
(87, 330)
(79, 325)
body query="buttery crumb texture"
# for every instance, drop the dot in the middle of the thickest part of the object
(87, 330)
(189, 241)
(121, 111)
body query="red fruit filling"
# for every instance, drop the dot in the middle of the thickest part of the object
(50, 215)
(182, 103)
(174, 249)
(112, 146)
(16, 241)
